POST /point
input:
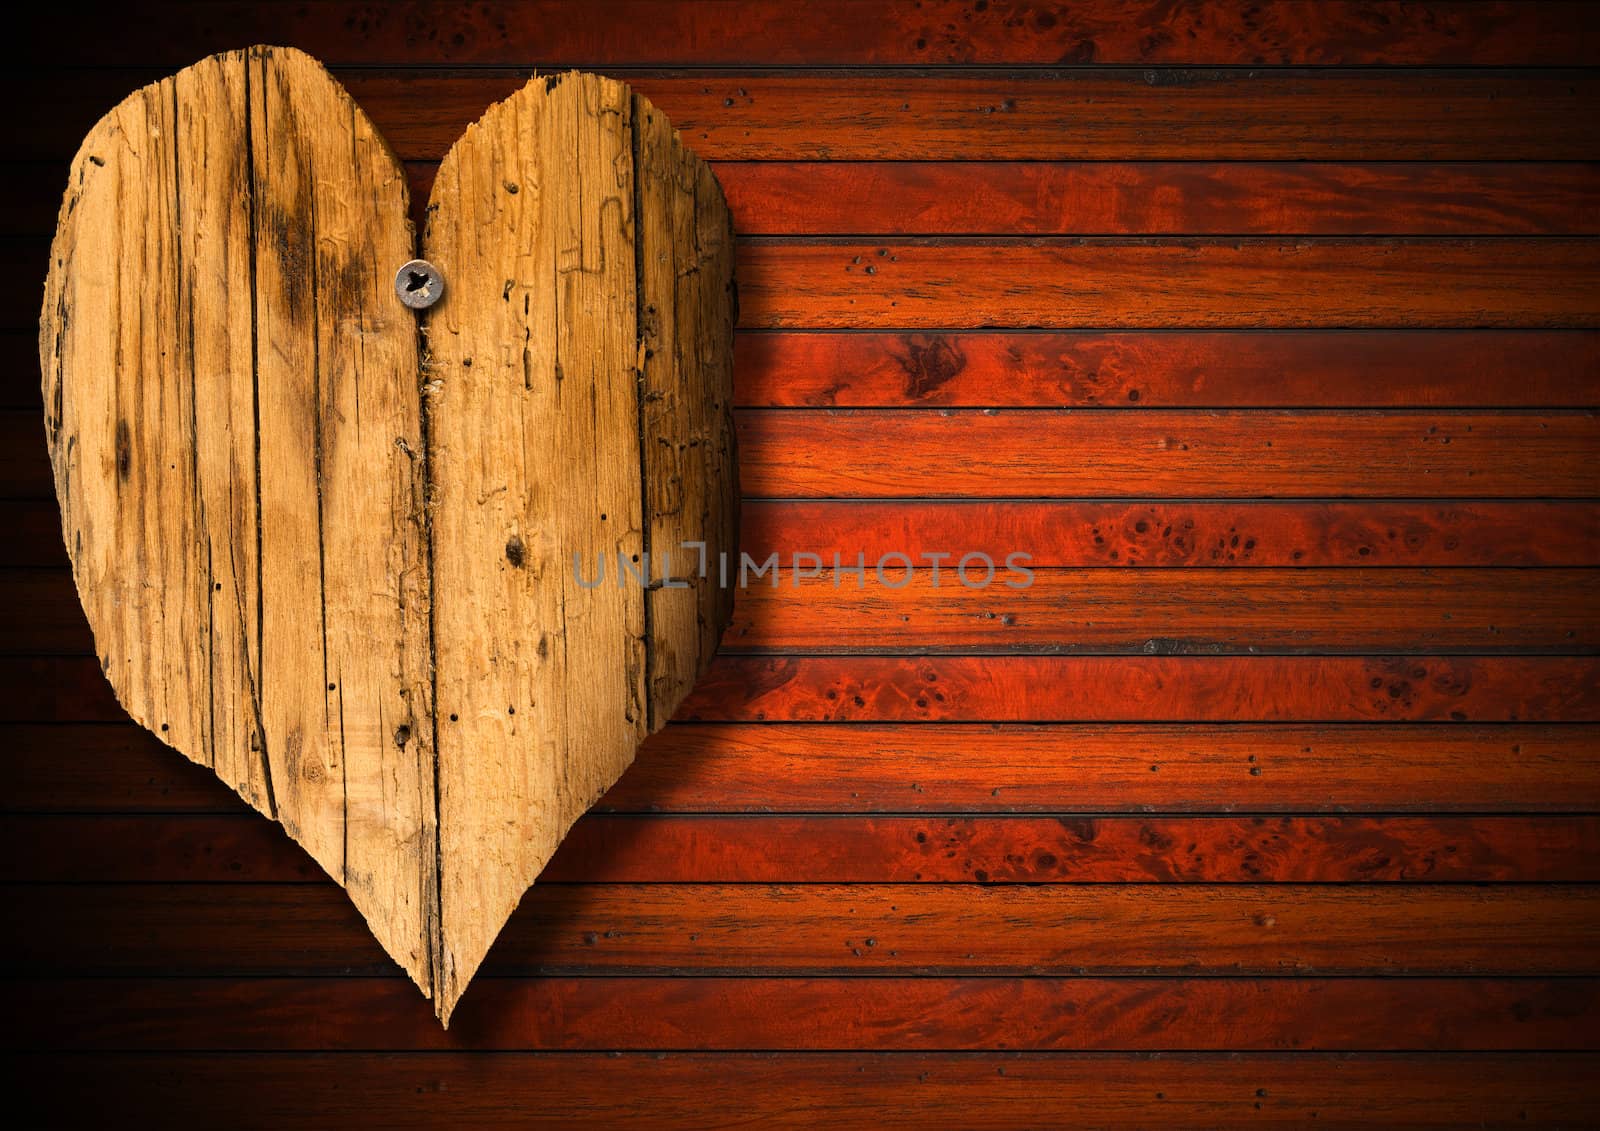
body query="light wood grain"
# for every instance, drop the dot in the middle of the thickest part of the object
(293, 534)
(231, 400)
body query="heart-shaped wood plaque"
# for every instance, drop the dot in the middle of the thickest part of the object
(348, 561)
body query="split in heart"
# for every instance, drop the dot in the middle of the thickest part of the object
(331, 558)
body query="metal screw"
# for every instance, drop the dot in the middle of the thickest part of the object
(419, 284)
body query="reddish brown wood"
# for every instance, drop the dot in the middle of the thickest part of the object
(843, 454)
(100, 767)
(868, 1014)
(1177, 369)
(1088, 198)
(758, 929)
(1162, 534)
(1078, 532)
(1479, 689)
(1092, 283)
(945, 768)
(1272, 767)
(1159, 198)
(1118, 115)
(1147, 688)
(1086, 369)
(694, 947)
(1072, 114)
(1120, 610)
(832, 33)
(868, 850)
(998, 610)
(1167, 369)
(902, 1090)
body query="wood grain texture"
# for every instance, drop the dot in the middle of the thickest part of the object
(1177, 533)
(996, 1090)
(1147, 689)
(764, 929)
(1082, 114)
(1077, 532)
(995, 114)
(1087, 369)
(1156, 453)
(1019, 454)
(906, 1090)
(230, 406)
(574, 227)
(930, 849)
(1170, 369)
(1433, 137)
(306, 470)
(758, 689)
(1106, 198)
(922, 198)
(712, 1013)
(947, 768)
(1095, 283)
(979, 605)
(1149, 454)
(961, 602)
(831, 33)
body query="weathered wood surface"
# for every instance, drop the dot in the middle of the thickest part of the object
(1366, 125)
(578, 391)
(1169, 533)
(1183, 611)
(943, 768)
(1154, 453)
(233, 418)
(331, 569)
(871, 849)
(1098, 198)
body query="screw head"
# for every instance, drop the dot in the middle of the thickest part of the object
(418, 284)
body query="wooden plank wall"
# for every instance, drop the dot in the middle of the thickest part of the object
(1272, 330)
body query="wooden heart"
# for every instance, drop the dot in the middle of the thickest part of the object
(350, 567)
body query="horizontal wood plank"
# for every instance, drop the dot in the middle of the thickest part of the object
(1108, 283)
(867, 1014)
(843, 454)
(983, 604)
(1156, 534)
(1146, 689)
(1131, 370)
(1094, 283)
(840, 453)
(1160, 198)
(750, 929)
(1167, 369)
(1043, 198)
(894, 849)
(799, 1090)
(831, 32)
(1077, 532)
(978, 604)
(942, 768)
(1071, 114)
(1378, 689)
(1079, 114)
